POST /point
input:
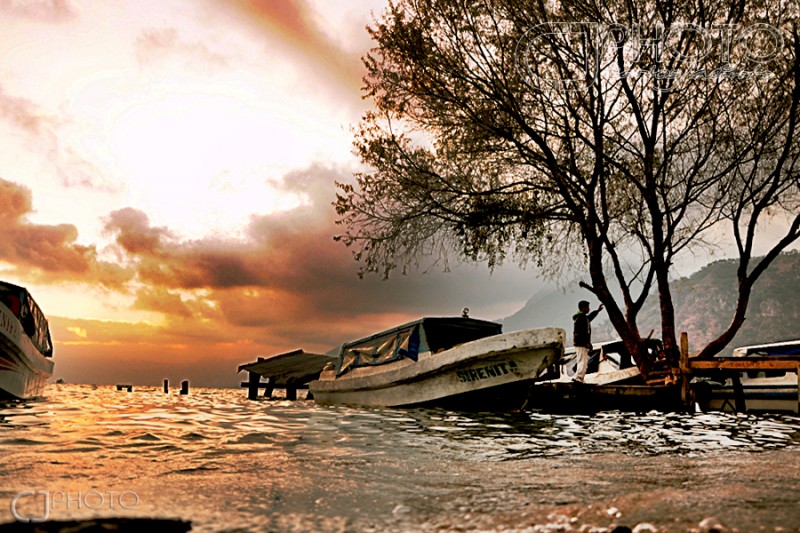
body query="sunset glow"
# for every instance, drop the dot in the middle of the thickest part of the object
(167, 177)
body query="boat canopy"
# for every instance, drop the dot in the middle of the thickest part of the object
(786, 348)
(411, 339)
(20, 302)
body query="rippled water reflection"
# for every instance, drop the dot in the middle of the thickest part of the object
(225, 463)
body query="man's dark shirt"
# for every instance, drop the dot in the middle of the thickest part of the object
(582, 328)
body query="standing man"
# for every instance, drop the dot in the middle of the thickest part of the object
(582, 337)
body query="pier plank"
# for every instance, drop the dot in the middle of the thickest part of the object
(746, 363)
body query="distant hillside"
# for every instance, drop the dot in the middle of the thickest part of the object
(704, 304)
(546, 308)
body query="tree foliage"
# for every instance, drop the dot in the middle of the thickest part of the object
(609, 137)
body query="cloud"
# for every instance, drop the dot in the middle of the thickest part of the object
(23, 114)
(160, 44)
(48, 251)
(287, 282)
(284, 284)
(158, 299)
(293, 23)
(134, 233)
(224, 300)
(73, 169)
(39, 10)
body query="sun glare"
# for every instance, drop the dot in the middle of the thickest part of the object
(206, 163)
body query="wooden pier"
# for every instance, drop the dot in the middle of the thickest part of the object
(732, 368)
(673, 389)
(291, 371)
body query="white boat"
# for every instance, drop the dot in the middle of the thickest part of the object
(462, 363)
(609, 363)
(761, 390)
(26, 349)
(612, 382)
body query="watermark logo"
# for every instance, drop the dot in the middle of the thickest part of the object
(33, 506)
(570, 55)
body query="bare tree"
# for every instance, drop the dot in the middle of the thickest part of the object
(609, 138)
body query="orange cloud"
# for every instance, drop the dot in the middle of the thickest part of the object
(224, 301)
(288, 281)
(157, 299)
(292, 22)
(46, 251)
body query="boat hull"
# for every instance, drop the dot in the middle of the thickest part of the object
(24, 371)
(777, 394)
(472, 375)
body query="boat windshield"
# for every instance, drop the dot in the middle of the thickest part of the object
(20, 302)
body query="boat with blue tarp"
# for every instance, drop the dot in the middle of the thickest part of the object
(460, 362)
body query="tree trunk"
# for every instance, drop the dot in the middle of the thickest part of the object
(717, 345)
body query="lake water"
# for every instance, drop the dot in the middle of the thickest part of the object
(229, 464)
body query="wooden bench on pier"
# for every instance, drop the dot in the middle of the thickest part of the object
(291, 371)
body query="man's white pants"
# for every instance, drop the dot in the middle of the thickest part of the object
(582, 354)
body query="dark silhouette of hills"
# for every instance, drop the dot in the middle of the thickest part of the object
(704, 304)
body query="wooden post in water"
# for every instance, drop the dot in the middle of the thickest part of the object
(738, 393)
(125, 386)
(687, 397)
(166, 386)
(253, 383)
(797, 371)
(291, 389)
(185, 387)
(269, 387)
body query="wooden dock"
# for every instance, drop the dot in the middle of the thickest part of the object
(732, 368)
(291, 371)
(675, 390)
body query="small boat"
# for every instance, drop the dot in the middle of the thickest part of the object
(612, 382)
(459, 362)
(26, 350)
(772, 390)
(609, 362)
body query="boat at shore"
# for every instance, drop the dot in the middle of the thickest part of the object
(612, 382)
(609, 362)
(458, 362)
(26, 349)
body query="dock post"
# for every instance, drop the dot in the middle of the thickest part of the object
(687, 397)
(253, 383)
(291, 390)
(166, 386)
(798, 388)
(269, 388)
(738, 393)
(185, 387)
(252, 388)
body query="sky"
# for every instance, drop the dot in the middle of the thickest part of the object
(166, 177)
